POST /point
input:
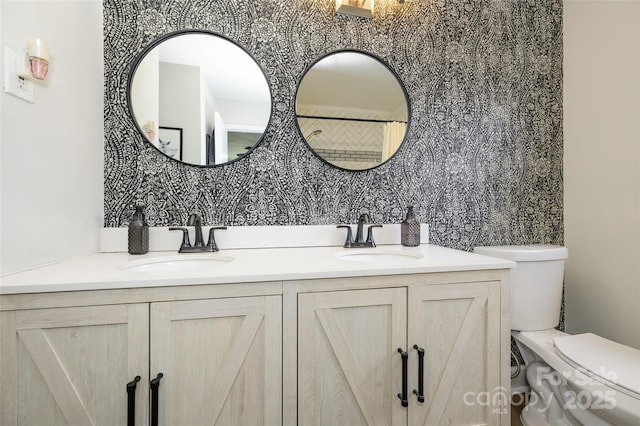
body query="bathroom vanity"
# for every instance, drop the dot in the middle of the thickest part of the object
(315, 335)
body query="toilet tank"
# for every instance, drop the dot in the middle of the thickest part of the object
(536, 283)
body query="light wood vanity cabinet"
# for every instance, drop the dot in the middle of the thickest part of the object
(220, 361)
(308, 352)
(350, 352)
(347, 369)
(71, 365)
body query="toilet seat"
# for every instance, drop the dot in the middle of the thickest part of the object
(613, 364)
(540, 345)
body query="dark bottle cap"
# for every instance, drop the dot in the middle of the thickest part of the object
(410, 213)
(138, 215)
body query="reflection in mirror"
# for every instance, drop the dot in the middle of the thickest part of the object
(352, 110)
(199, 98)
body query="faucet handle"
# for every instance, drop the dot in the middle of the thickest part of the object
(212, 241)
(195, 220)
(349, 242)
(185, 237)
(370, 241)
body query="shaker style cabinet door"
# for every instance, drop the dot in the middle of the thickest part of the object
(349, 367)
(458, 327)
(220, 359)
(71, 366)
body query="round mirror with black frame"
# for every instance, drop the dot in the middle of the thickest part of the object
(199, 98)
(352, 110)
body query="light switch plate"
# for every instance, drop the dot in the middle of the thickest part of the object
(17, 86)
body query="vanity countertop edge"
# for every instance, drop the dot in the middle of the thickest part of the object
(104, 271)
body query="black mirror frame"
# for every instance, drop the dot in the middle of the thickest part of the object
(136, 63)
(400, 83)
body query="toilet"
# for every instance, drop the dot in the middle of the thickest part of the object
(579, 379)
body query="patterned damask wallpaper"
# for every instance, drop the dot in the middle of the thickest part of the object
(482, 162)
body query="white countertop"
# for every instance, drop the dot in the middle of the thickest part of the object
(105, 270)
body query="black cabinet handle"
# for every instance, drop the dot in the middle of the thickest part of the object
(420, 392)
(155, 384)
(131, 401)
(403, 395)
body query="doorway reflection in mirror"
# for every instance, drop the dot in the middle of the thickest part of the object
(209, 97)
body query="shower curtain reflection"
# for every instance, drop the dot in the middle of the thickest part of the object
(394, 132)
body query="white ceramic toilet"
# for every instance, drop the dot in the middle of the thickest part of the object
(579, 379)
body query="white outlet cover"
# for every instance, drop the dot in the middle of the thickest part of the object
(13, 84)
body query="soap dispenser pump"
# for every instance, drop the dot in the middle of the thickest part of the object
(410, 230)
(138, 232)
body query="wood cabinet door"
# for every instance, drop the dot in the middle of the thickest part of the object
(221, 361)
(458, 326)
(71, 366)
(349, 368)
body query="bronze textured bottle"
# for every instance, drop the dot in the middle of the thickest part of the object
(138, 232)
(410, 230)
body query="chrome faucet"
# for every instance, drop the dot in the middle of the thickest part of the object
(359, 240)
(198, 246)
(196, 220)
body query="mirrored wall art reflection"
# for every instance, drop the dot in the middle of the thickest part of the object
(199, 98)
(170, 142)
(352, 110)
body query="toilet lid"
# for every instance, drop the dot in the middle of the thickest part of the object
(616, 365)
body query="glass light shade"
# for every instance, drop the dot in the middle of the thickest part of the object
(39, 67)
(38, 52)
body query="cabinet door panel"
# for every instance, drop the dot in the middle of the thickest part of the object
(221, 360)
(456, 326)
(349, 370)
(72, 365)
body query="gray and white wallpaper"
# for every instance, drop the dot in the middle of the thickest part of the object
(482, 162)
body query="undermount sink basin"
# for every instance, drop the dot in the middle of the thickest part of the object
(185, 262)
(382, 256)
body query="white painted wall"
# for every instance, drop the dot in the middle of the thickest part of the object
(181, 107)
(602, 168)
(145, 94)
(51, 151)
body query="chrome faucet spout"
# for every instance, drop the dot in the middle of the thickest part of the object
(360, 241)
(196, 220)
(362, 220)
(199, 246)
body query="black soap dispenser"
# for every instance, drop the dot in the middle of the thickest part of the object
(138, 232)
(410, 230)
